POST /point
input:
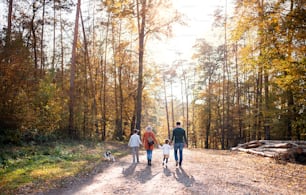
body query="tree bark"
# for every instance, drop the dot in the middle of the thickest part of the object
(42, 59)
(71, 128)
(9, 24)
(167, 112)
(141, 19)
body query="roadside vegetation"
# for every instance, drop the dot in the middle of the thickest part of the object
(52, 164)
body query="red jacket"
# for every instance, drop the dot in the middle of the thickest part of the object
(145, 140)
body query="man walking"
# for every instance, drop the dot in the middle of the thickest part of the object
(179, 138)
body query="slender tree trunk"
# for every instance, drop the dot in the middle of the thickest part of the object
(9, 24)
(91, 79)
(208, 121)
(62, 47)
(42, 59)
(117, 77)
(54, 35)
(238, 93)
(223, 82)
(141, 18)
(267, 107)
(72, 131)
(167, 112)
(34, 40)
(120, 95)
(87, 93)
(182, 95)
(289, 116)
(172, 104)
(104, 81)
(289, 94)
(261, 70)
(187, 106)
(8, 33)
(85, 104)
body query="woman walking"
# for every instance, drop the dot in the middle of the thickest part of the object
(148, 141)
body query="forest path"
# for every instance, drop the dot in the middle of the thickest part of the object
(202, 172)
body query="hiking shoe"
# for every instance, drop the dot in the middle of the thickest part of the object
(180, 164)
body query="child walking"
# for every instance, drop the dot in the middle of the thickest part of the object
(134, 143)
(166, 151)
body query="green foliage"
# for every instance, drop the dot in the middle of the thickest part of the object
(49, 163)
(40, 113)
(16, 77)
(10, 136)
(48, 106)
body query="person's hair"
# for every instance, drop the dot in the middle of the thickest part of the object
(135, 130)
(149, 128)
(166, 141)
(178, 123)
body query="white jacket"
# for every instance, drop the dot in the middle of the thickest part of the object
(166, 149)
(135, 141)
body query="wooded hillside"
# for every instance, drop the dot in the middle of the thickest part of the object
(92, 77)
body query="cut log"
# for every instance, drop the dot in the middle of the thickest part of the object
(250, 151)
(281, 151)
(280, 145)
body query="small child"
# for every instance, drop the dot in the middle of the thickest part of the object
(166, 151)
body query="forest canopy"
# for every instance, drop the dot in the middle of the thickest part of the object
(90, 77)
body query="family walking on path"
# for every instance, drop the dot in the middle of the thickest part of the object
(179, 140)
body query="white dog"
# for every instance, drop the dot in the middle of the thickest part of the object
(108, 155)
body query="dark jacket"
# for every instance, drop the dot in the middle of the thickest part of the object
(179, 135)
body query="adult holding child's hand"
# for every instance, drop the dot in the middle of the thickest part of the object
(148, 141)
(180, 141)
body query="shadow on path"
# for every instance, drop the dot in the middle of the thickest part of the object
(145, 174)
(167, 172)
(182, 177)
(129, 171)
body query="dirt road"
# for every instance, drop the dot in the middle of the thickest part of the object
(202, 172)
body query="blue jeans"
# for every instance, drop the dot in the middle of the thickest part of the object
(149, 154)
(178, 147)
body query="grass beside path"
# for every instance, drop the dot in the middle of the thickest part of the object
(36, 168)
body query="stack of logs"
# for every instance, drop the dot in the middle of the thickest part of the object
(281, 151)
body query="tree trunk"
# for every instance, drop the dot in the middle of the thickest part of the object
(141, 18)
(34, 40)
(238, 93)
(42, 59)
(91, 79)
(208, 122)
(54, 38)
(9, 24)
(104, 82)
(62, 49)
(71, 127)
(167, 112)
(172, 106)
(267, 107)
(187, 107)
(8, 33)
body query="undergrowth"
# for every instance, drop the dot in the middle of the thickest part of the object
(38, 167)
